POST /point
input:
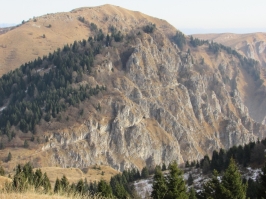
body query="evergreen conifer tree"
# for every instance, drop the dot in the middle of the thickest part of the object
(104, 188)
(175, 183)
(144, 173)
(190, 179)
(212, 189)
(159, 185)
(57, 186)
(9, 157)
(2, 171)
(64, 183)
(262, 183)
(46, 183)
(192, 193)
(232, 185)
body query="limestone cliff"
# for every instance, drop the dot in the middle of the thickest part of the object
(162, 104)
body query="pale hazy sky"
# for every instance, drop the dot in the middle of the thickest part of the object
(189, 16)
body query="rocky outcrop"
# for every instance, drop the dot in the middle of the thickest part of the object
(161, 106)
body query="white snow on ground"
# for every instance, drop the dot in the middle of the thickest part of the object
(143, 187)
(252, 173)
(2, 108)
(40, 70)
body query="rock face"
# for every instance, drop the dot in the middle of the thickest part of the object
(162, 104)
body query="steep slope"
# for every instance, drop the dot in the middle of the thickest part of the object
(42, 35)
(160, 104)
(142, 95)
(253, 46)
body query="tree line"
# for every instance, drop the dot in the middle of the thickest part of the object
(42, 88)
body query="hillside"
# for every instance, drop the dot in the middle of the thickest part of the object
(40, 36)
(251, 45)
(129, 95)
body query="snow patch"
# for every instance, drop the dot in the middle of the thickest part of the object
(2, 108)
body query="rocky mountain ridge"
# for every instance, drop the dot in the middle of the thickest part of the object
(163, 102)
(162, 110)
(251, 45)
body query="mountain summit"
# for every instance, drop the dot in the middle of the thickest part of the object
(41, 35)
(132, 92)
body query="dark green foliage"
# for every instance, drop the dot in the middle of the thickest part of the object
(252, 153)
(104, 188)
(262, 183)
(190, 180)
(192, 193)
(34, 97)
(175, 183)
(93, 27)
(150, 28)
(180, 40)
(205, 164)
(164, 167)
(197, 42)
(212, 189)
(9, 157)
(231, 185)
(26, 144)
(159, 185)
(2, 171)
(118, 36)
(26, 178)
(80, 187)
(64, 183)
(57, 186)
(252, 189)
(81, 19)
(144, 173)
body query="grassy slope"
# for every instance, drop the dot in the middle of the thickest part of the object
(26, 42)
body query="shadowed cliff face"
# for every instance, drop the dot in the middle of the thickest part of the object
(161, 105)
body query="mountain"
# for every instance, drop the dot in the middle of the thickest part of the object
(39, 36)
(252, 45)
(132, 92)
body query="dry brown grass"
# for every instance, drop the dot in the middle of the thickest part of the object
(33, 195)
(93, 173)
(26, 42)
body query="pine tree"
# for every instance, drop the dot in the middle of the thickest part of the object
(9, 157)
(159, 185)
(262, 183)
(2, 171)
(64, 183)
(104, 188)
(175, 183)
(46, 183)
(145, 173)
(26, 144)
(212, 189)
(190, 179)
(192, 193)
(232, 185)
(80, 187)
(164, 167)
(57, 186)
